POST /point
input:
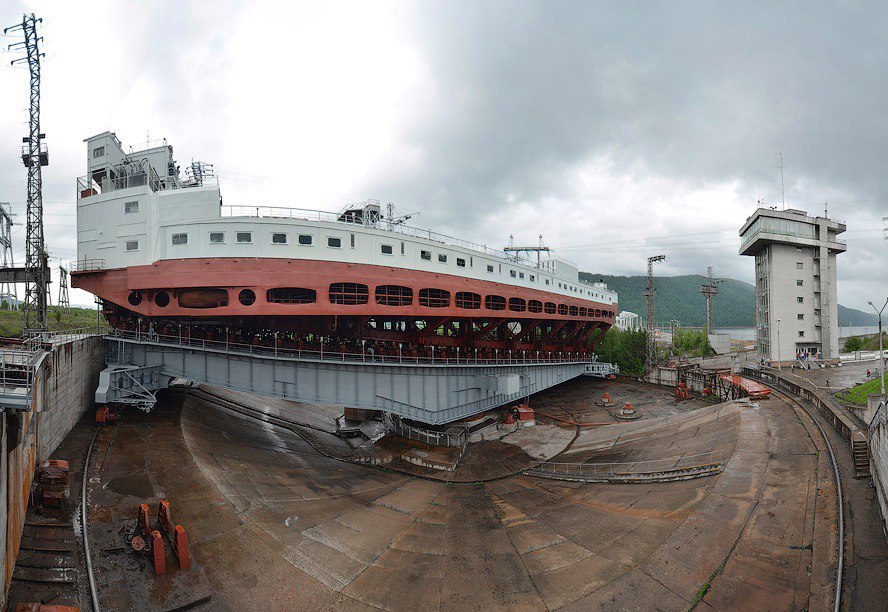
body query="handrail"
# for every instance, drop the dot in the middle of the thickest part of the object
(87, 265)
(505, 358)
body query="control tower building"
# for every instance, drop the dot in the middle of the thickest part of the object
(796, 308)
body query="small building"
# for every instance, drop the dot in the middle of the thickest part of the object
(796, 308)
(628, 321)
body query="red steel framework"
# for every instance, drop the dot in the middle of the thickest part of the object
(295, 302)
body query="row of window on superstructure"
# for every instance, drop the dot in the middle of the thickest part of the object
(246, 237)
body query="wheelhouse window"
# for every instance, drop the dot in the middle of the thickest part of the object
(245, 237)
(334, 243)
(349, 294)
(304, 239)
(278, 238)
(217, 237)
(132, 245)
(434, 298)
(180, 239)
(442, 258)
(490, 268)
(131, 207)
(386, 249)
(512, 273)
(460, 262)
(427, 255)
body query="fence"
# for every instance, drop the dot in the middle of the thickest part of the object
(504, 357)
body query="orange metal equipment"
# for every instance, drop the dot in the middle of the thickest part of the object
(176, 534)
(105, 416)
(53, 485)
(158, 553)
(144, 519)
(681, 392)
(37, 607)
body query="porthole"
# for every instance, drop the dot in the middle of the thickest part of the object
(162, 299)
(247, 297)
(135, 298)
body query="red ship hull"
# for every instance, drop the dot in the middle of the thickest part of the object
(345, 300)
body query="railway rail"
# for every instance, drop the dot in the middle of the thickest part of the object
(84, 515)
(840, 503)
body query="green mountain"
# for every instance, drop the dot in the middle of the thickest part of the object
(678, 298)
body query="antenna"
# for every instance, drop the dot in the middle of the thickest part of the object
(782, 193)
(526, 249)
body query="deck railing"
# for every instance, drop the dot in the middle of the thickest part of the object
(504, 357)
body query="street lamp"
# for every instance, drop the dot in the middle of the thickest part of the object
(778, 345)
(881, 354)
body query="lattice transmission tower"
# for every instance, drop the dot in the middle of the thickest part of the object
(34, 156)
(709, 289)
(8, 291)
(649, 315)
(63, 290)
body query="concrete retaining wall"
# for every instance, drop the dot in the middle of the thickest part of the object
(878, 446)
(66, 380)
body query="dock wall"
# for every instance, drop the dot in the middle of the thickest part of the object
(64, 388)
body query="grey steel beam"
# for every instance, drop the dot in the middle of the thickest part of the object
(430, 393)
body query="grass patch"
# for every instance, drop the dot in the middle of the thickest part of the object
(857, 395)
(12, 322)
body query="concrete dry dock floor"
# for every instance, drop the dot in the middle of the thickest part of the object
(275, 525)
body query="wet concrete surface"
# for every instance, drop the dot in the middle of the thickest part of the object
(276, 525)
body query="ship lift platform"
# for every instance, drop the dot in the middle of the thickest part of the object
(433, 391)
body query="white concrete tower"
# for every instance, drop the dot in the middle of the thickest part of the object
(796, 307)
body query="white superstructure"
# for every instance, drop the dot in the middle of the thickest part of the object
(133, 209)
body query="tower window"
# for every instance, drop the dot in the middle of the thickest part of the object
(277, 238)
(799, 265)
(131, 207)
(800, 282)
(800, 300)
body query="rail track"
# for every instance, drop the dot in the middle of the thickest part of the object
(93, 594)
(840, 546)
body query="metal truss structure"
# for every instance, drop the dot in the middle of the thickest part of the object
(34, 156)
(8, 292)
(433, 393)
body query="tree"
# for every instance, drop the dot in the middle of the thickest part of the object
(854, 343)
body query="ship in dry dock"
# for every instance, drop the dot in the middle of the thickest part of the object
(164, 256)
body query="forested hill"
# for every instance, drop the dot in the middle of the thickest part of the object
(678, 298)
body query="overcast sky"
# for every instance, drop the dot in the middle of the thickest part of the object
(617, 130)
